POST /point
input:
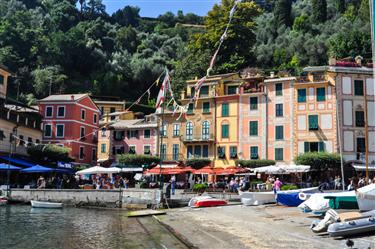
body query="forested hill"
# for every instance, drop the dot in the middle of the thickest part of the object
(76, 46)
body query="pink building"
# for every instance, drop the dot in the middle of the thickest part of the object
(136, 136)
(71, 120)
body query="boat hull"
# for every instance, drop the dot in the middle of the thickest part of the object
(210, 203)
(44, 204)
(353, 227)
(257, 198)
(366, 198)
(291, 198)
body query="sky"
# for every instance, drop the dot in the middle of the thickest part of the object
(153, 8)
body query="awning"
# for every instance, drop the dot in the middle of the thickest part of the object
(37, 169)
(168, 170)
(269, 170)
(17, 161)
(229, 171)
(139, 169)
(282, 169)
(98, 170)
(206, 170)
(293, 168)
(4, 166)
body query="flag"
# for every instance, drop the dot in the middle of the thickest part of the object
(149, 94)
(199, 83)
(163, 90)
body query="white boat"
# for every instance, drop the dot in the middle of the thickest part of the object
(3, 201)
(257, 198)
(366, 197)
(46, 204)
(318, 204)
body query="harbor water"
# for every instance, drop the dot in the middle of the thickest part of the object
(24, 227)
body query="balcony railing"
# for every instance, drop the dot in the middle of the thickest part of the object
(313, 78)
(172, 157)
(197, 138)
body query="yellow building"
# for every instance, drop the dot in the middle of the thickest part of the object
(112, 111)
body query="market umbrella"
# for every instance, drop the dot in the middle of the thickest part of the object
(4, 166)
(293, 168)
(269, 170)
(37, 169)
(98, 170)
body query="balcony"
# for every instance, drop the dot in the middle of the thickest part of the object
(197, 138)
(172, 157)
(311, 78)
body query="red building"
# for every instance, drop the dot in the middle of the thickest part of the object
(71, 120)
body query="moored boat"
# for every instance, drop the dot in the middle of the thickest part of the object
(257, 198)
(291, 197)
(366, 197)
(3, 201)
(46, 204)
(206, 201)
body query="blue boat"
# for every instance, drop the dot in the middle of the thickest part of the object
(291, 198)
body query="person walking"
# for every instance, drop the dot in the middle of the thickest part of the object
(277, 185)
(173, 184)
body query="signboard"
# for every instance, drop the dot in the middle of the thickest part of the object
(64, 165)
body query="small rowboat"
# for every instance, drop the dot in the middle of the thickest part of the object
(3, 201)
(46, 204)
(206, 201)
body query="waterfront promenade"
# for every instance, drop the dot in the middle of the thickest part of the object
(254, 227)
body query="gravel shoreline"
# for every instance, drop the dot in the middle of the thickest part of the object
(238, 226)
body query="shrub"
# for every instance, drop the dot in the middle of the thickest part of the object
(48, 152)
(200, 187)
(129, 160)
(254, 163)
(319, 160)
(289, 187)
(198, 163)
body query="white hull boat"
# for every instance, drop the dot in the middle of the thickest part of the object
(257, 198)
(366, 197)
(46, 204)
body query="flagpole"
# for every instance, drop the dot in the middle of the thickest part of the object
(372, 5)
(162, 129)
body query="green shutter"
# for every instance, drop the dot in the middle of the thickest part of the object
(313, 122)
(320, 94)
(254, 152)
(307, 147)
(279, 132)
(225, 110)
(321, 146)
(279, 154)
(254, 103)
(253, 128)
(224, 131)
(206, 107)
(190, 108)
(301, 95)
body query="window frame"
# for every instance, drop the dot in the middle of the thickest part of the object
(149, 134)
(277, 131)
(190, 110)
(225, 111)
(205, 130)
(83, 111)
(80, 132)
(44, 130)
(149, 149)
(103, 145)
(95, 118)
(232, 150)
(251, 128)
(58, 109)
(357, 124)
(93, 154)
(277, 154)
(81, 155)
(204, 147)
(253, 106)
(176, 129)
(362, 88)
(310, 117)
(163, 151)
(279, 113)
(279, 92)
(319, 96)
(63, 130)
(222, 131)
(252, 153)
(189, 130)
(45, 111)
(175, 156)
(301, 98)
(205, 110)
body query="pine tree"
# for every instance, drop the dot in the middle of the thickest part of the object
(282, 13)
(319, 10)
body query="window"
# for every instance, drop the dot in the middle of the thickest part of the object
(49, 112)
(147, 133)
(132, 149)
(175, 152)
(221, 151)
(233, 151)
(192, 90)
(163, 151)
(279, 131)
(118, 135)
(224, 131)
(95, 118)
(102, 110)
(147, 150)
(254, 152)
(206, 130)
(48, 130)
(279, 110)
(190, 152)
(82, 133)
(360, 118)
(253, 128)
(103, 132)
(21, 142)
(189, 130)
(197, 151)
(60, 130)
(83, 114)
(320, 94)
(203, 92)
(1, 80)
(176, 130)
(2, 136)
(121, 150)
(112, 110)
(132, 134)
(279, 154)
(61, 111)
(358, 88)
(253, 103)
(103, 148)
(93, 155)
(81, 152)
(225, 110)
(163, 130)
(232, 90)
(190, 108)
(314, 146)
(205, 151)
(361, 144)
(206, 107)
(301, 95)
(37, 141)
(313, 122)
(279, 89)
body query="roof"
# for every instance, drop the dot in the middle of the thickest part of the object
(338, 69)
(214, 77)
(133, 124)
(109, 102)
(64, 97)
(279, 79)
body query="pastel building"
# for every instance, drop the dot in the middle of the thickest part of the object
(71, 120)
(279, 119)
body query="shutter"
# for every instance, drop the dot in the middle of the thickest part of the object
(321, 146)
(307, 147)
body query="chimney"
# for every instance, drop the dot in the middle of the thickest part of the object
(72, 97)
(358, 59)
(272, 74)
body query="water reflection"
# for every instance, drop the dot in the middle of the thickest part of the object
(69, 228)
